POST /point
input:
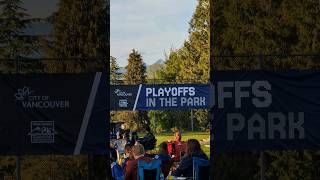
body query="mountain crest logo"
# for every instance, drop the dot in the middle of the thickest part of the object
(23, 94)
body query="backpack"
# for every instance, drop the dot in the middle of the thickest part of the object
(117, 171)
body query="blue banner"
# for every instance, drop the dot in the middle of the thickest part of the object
(53, 114)
(172, 96)
(260, 110)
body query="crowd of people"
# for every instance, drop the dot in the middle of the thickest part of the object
(175, 156)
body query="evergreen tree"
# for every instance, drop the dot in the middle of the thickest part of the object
(13, 22)
(191, 62)
(114, 70)
(81, 31)
(136, 74)
(136, 69)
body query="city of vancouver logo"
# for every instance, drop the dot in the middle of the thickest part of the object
(42, 132)
(121, 93)
(29, 99)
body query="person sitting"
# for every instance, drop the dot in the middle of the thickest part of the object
(176, 148)
(185, 168)
(127, 156)
(131, 167)
(119, 145)
(148, 141)
(134, 138)
(166, 161)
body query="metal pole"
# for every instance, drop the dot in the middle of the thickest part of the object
(191, 120)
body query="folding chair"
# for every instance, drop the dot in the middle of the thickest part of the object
(201, 169)
(149, 170)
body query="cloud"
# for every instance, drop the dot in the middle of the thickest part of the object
(151, 27)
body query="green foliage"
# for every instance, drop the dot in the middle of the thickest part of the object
(136, 69)
(114, 70)
(136, 74)
(170, 118)
(13, 22)
(80, 31)
(13, 41)
(287, 165)
(189, 64)
(252, 27)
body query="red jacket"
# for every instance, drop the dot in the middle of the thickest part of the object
(132, 166)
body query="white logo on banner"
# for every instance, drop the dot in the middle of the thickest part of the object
(42, 132)
(28, 99)
(121, 93)
(123, 103)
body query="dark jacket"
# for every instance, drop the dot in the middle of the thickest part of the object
(166, 163)
(185, 168)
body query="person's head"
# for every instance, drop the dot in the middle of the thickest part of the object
(163, 148)
(138, 151)
(134, 135)
(148, 129)
(177, 136)
(126, 136)
(127, 148)
(128, 151)
(193, 146)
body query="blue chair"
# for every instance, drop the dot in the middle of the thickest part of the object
(201, 169)
(149, 170)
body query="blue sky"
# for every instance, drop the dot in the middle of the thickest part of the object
(150, 26)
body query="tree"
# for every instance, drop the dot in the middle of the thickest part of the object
(13, 23)
(80, 31)
(190, 63)
(136, 69)
(136, 74)
(115, 75)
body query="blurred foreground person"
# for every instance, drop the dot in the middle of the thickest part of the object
(132, 165)
(127, 156)
(166, 161)
(116, 170)
(185, 168)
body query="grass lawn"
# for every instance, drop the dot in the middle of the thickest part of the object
(185, 136)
